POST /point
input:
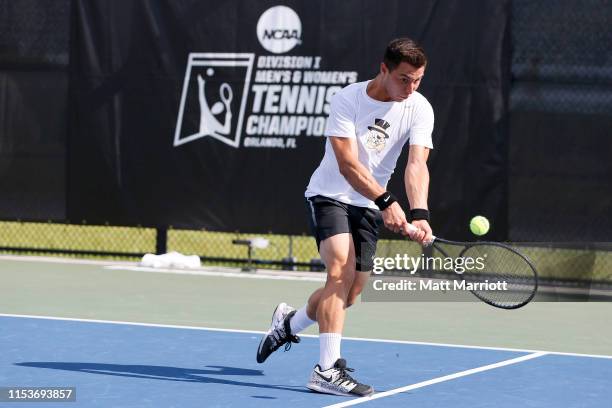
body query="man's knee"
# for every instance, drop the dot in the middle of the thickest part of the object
(341, 277)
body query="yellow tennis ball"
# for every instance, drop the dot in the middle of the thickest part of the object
(479, 225)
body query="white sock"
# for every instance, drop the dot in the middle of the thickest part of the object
(329, 347)
(300, 321)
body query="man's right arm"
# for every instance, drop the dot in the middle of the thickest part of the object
(357, 175)
(360, 178)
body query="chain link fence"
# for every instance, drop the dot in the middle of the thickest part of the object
(130, 243)
(557, 263)
(92, 241)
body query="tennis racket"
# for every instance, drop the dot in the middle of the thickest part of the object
(499, 263)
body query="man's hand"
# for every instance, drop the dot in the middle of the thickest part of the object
(423, 235)
(395, 219)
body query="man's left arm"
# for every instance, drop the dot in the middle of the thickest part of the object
(416, 181)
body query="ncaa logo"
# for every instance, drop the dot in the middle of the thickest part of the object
(279, 29)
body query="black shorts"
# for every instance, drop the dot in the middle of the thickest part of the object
(328, 217)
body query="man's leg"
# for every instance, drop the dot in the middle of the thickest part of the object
(331, 374)
(331, 226)
(326, 305)
(328, 218)
(338, 254)
(361, 279)
(307, 315)
(364, 226)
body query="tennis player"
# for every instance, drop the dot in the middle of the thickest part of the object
(368, 126)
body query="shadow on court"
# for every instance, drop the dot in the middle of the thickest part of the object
(165, 373)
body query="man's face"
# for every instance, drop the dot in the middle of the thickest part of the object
(402, 81)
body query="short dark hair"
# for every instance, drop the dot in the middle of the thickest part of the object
(404, 50)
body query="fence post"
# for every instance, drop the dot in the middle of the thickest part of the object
(161, 240)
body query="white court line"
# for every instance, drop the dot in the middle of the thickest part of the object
(437, 380)
(374, 340)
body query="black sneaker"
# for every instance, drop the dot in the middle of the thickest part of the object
(279, 333)
(337, 381)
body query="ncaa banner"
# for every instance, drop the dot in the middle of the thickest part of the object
(211, 115)
(283, 97)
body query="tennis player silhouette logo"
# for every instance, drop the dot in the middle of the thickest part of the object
(377, 136)
(214, 97)
(209, 124)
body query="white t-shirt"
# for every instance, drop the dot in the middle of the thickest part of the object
(381, 130)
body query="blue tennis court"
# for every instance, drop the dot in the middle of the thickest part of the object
(134, 365)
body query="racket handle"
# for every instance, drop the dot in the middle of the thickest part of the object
(413, 228)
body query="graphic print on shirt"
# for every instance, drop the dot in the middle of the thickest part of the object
(377, 135)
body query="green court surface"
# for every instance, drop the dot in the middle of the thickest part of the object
(227, 298)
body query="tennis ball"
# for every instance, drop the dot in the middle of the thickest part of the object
(479, 225)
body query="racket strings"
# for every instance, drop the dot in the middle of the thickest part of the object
(498, 264)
